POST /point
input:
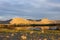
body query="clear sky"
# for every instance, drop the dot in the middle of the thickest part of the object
(34, 9)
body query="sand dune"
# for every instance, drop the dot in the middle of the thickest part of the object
(25, 21)
(19, 21)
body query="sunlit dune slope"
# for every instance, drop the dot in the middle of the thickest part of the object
(19, 21)
(46, 21)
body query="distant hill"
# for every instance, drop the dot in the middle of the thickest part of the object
(5, 22)
(34, 20)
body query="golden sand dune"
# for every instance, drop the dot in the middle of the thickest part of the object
(46, 21)
(25, 21)
(19, 21)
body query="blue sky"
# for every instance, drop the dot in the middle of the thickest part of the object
(33, 9)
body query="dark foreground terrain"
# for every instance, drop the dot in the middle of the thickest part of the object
(31, 35)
